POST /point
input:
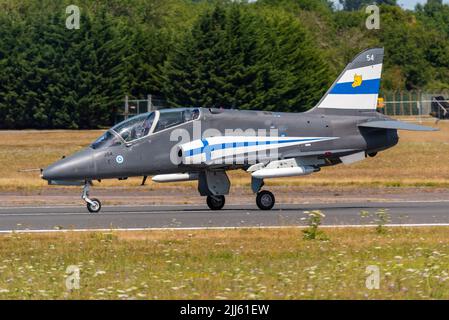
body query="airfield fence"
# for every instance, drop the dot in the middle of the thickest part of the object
(420, 104)
(415, 103)
(132, 107)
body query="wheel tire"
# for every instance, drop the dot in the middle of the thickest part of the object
(215, 202)
(265, 200)
(94, 208)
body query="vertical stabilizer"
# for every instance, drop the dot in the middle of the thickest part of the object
(357, 87)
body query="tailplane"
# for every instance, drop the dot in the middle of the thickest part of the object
(357, 87)
(395, 125)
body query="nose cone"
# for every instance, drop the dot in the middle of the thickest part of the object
(80, 166)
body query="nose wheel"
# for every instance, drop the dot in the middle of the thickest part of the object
(93, 205)
(215, 202)
(265, 200)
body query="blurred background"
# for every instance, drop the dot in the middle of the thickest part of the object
(134, 55)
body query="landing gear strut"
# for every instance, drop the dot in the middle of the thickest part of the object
(214, 185)
(93, 205)
(215, 202)
(265, 200)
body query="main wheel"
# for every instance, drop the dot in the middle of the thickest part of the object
(95, 206)
(265, 200)
(215, 202)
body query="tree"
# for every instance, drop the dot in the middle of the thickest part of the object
(234, 59)
(352, 5)
(278, 55)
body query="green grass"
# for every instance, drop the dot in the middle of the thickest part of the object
(216, 264)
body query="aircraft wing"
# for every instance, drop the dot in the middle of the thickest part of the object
(398, 125)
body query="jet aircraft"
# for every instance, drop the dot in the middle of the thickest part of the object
(202, 144)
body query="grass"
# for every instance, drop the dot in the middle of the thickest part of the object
(218, 264)
(420, 160)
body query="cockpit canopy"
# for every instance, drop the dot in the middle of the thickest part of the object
(136, 127)
(144, 124)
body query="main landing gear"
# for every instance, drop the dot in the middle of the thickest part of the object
(265, 200)
(215, 185)
(215, 202)
(93, 205)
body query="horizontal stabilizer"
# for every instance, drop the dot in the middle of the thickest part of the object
(398, 125)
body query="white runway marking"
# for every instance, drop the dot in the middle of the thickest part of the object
(105, 213)
(222, 228)
(112, 206)
(176, 209)
(232, 205)
(37, 219)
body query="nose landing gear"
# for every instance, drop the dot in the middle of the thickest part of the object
(93, 205)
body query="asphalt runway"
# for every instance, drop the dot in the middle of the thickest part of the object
(195, 216)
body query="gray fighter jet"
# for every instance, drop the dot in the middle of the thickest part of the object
(203, 143)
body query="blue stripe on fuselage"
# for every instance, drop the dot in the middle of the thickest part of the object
(209, 148)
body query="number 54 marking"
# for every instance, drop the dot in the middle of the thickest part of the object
(370, 57)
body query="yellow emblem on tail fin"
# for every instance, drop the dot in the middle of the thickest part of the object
(357, 81)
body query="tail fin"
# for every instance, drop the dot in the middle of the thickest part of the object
(357, 87)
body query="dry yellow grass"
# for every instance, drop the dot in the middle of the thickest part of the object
(420, 159)
(32, 149)
(226, 264)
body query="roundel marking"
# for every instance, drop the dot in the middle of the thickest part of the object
(119, 159)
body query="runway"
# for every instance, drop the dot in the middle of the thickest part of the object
(196, 216)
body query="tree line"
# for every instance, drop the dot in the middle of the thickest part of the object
(270, 55)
